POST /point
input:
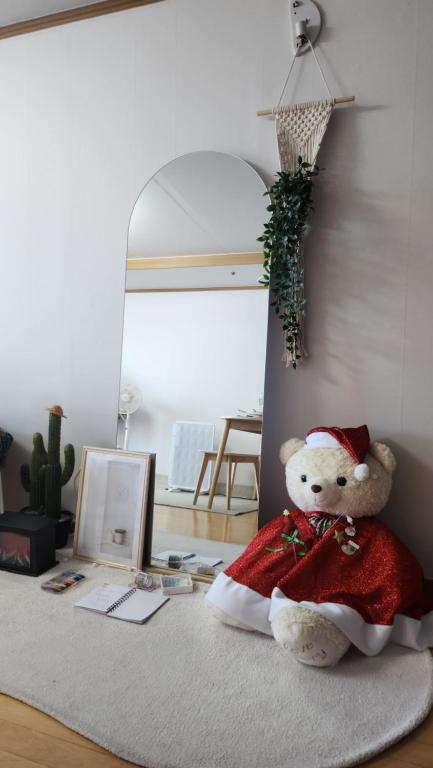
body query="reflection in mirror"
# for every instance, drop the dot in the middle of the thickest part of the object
(193, 356)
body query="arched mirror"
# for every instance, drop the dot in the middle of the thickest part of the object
(193, 359)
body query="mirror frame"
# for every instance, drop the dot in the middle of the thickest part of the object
(188, 261)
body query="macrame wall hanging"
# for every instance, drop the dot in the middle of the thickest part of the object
(300, 130)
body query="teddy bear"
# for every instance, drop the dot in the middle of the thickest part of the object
(327, 574)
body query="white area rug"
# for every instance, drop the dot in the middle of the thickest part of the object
(184, 499)
(184, 691)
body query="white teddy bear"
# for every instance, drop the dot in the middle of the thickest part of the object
(326, 574)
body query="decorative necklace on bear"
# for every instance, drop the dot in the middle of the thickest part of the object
(344, 538)
(320, 524)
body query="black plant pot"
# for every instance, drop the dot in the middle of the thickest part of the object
(63, 525)
(63, 528)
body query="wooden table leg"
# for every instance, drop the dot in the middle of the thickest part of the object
(202, 473)
(226, 527)
(228, 483)
(257, 477)
(218, 462)
(232, 480)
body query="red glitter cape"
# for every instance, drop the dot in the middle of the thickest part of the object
(373, 589)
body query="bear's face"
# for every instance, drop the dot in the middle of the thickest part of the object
(323, 480)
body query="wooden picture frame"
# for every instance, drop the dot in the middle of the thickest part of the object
(115, 508)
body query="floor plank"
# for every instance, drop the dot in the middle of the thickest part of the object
(38, 742)
(7, 760)
(216, 526)
(414, 752)
(18, 713)
(388, 762)
(424, 733)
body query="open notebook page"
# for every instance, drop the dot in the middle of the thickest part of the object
(139, 606)
(100, 598)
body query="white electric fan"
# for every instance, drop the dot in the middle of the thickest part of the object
(129, 401)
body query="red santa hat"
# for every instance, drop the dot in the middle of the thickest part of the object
(355, 440)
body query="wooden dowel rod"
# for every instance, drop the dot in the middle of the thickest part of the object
(343, 99)
(338, 100)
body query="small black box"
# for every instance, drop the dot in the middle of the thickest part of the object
(27, 543)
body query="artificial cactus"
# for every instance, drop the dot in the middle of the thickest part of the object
(53, 474)
(32, 477)
(6, 441)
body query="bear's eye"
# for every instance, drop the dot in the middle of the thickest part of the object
(304, 478)
(341, 480)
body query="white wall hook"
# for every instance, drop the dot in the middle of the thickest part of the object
(306, 23)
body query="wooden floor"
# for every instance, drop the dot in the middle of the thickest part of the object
(216, 526)
(30, 739)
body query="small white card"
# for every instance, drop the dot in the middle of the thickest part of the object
(173, 553)
(198, 559)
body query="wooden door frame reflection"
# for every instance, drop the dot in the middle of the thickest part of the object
(196, 261)
(195, 290)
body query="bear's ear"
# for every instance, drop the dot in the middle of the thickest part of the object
(384, 456)
(289, 448)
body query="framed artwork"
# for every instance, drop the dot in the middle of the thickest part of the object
(114, 509)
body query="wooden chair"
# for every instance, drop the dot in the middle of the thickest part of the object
(232, 460)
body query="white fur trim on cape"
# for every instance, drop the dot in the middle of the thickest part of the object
(369, 638)
(321, 440)
(254, 610)
(240, 602)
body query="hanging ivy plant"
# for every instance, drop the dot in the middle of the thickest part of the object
(290, 205)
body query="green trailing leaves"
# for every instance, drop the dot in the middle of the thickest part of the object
(283, 270)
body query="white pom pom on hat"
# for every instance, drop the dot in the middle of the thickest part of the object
(355, 440)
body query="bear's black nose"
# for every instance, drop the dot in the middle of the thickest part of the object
(316, 488)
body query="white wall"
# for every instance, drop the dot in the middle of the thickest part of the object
(91, 110)
(195, 357)
(369, 261)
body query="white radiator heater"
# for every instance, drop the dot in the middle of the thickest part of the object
(188, 441)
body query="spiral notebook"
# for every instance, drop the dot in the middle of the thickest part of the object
(128, 604)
